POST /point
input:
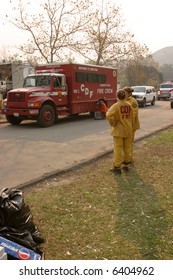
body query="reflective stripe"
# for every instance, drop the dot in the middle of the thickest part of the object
(40, 93)
(59, 93)
(55, 93)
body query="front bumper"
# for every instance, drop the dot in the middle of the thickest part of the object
(166, 96)
(140, 100)
(19, 112)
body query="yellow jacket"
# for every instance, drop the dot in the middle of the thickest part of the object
(120, 117)
(134, 104)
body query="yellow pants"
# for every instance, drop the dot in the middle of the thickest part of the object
(122, 151)
(132, 139)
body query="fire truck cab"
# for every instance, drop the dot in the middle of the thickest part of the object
(64, 89)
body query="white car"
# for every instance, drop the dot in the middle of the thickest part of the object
(144, 95)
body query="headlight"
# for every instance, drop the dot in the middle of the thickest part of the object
(34, 104)
(4, 103)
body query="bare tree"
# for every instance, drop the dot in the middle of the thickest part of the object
(4, 53)
(62, 29)
(140, 68)
(105, 40)
(7, 56)
(51, 29)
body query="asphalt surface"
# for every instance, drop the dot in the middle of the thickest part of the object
(24, 163)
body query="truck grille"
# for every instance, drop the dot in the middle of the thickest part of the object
(16, 97)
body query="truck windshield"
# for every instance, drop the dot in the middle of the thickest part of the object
(37, 81)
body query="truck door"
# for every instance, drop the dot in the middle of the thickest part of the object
(60, 90)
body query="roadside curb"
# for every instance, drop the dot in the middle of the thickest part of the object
(60, 172)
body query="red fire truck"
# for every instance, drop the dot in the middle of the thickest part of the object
(60, 90)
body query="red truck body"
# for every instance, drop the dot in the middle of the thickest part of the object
(60, 90)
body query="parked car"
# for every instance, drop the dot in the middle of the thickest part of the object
(144, 95)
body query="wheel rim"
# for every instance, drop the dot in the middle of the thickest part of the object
(47, 116)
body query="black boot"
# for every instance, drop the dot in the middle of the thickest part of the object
(116, 170)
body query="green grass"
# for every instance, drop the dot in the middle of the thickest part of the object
(90, 213)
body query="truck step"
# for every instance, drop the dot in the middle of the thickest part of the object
(63, 111)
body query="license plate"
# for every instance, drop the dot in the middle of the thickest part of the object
(33, 112)
(16, 114)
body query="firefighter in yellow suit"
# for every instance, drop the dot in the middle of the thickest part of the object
(136, 123)
(120, 118)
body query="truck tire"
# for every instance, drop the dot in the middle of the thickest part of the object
(46, 116)
(171, 105)
(143, 104)
(98, 115)
(13, 120)
(153, 101)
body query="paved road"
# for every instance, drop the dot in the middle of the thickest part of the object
(29, 153)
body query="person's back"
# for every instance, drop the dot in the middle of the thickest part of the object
(134, 104)
(136, 123)
(120, 118)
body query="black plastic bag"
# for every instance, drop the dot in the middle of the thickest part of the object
(16, 220)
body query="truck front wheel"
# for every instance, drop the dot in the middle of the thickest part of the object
(46, 116)
(171, 105)
(13, 120)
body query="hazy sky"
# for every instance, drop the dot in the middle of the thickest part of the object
(150, 21)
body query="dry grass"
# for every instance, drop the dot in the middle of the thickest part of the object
(91, 213)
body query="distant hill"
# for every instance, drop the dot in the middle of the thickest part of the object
(164, 56)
